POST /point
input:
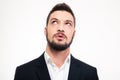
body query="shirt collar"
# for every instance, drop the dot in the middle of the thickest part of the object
(48, 59)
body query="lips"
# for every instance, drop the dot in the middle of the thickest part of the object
(60, 36)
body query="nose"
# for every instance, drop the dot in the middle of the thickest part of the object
(61, 28)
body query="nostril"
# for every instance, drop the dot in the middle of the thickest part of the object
(60, 30)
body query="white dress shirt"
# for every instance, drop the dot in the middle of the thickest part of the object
(55, 72)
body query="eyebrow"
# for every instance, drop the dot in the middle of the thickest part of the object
(69, 21)
(53, 19)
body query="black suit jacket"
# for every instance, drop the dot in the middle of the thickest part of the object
(37, 70)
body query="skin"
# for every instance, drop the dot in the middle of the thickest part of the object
(60, 29)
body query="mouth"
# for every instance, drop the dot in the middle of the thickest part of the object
(60, 36)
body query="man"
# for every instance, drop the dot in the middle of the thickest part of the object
(56, 63)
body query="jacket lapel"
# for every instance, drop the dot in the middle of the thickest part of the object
(42, 71)
(75, 71)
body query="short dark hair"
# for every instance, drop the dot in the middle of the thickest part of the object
(60, 7)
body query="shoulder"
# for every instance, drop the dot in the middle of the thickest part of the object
(27, 71)
(32, 64)
(82, 65)
(87, 71)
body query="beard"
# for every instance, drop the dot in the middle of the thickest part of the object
(56, 46)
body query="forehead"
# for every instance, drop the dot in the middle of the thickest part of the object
(62, 15)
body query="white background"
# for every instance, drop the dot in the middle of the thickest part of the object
(97, 39)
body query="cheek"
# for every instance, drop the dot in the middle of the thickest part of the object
(51, 30)
(70, 35)
(70, 31)
(50, 34)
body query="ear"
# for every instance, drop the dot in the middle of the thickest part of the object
(45, 30)
(74, 32)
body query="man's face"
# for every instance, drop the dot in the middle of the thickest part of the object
(60, 30)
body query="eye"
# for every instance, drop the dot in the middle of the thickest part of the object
(68, 23)
(53, 22)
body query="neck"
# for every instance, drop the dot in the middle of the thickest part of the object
(58, 57)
